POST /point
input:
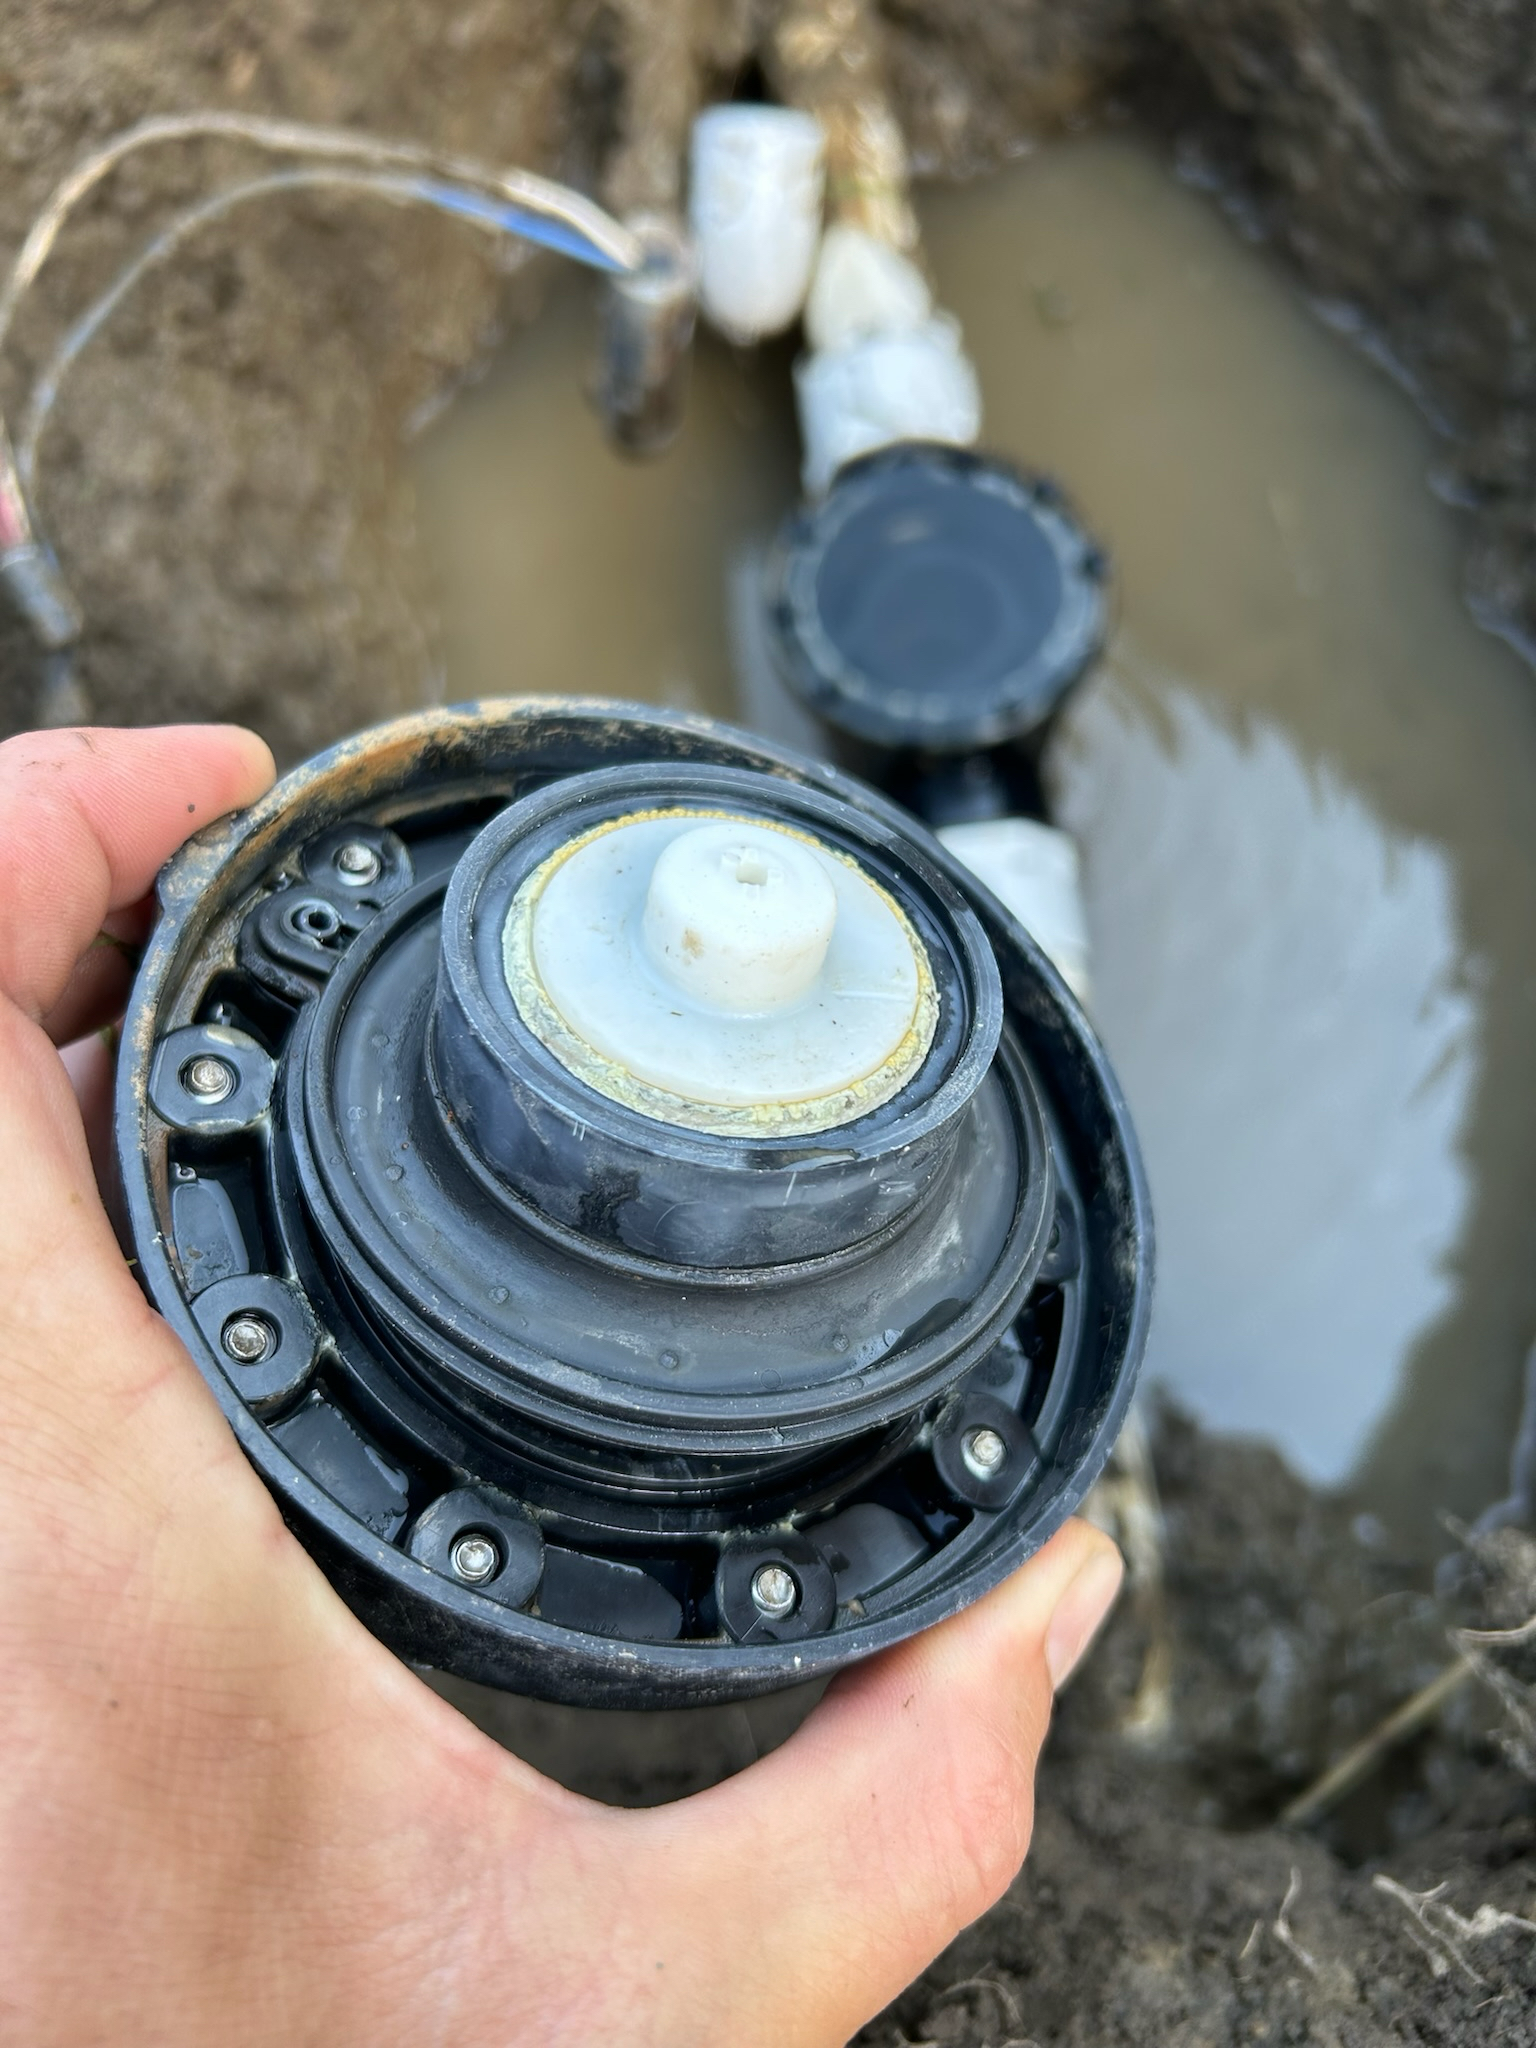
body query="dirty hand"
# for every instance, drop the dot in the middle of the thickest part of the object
(226, 1813)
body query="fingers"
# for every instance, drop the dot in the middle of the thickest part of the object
(87, 818)
(96, 993)
(88, 1063)
(836, 1869)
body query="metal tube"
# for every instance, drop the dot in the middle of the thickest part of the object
(647, 340)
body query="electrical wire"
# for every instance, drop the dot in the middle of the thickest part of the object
(594, 236)
(511, 202)
(495, 216)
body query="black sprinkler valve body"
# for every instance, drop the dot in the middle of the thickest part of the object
(934, 610)
(567, 1392)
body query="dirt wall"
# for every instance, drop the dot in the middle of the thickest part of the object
(224, 477)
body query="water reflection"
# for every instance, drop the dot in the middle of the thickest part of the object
(1313, 778)
(1278, 981)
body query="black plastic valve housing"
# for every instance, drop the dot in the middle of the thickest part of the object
(564, 1397)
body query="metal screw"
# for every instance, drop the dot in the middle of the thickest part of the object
(475, 1558)
(985, 1453)
(249, 1339)
(774, 1591)
(358, 863)
(208, 1078)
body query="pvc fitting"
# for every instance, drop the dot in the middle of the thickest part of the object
(647, 338)
(1034, 871)
(755, 198)
(915, 384)
(863, 286)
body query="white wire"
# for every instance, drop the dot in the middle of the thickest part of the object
(300, 138)
(398, 190)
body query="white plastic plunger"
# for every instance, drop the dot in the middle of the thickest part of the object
(739, 918)
(722, 972)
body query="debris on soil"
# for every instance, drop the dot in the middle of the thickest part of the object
(1163, 1905)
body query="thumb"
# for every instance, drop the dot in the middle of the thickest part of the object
(86, 819)
(835, 1870)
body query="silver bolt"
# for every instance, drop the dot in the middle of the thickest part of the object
(358, 863)
(249, 1339)
(208, 1078)
(774, 1592)
(984, 1452)
(475, 1559)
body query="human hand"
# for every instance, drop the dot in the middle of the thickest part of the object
(227, 1814)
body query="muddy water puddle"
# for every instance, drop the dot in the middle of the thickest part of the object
(1304, 782)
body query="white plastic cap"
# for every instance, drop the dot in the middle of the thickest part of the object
(913, 385)
(754, 204)
(735, 965)
(863, 286)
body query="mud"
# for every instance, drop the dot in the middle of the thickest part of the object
(1158, 1906)
(225, 481)
(228, 488)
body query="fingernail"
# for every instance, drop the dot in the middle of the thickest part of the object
(1080, 1613)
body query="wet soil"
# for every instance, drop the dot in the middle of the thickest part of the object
(227, 487)
(1161, 1904)
(223, 480)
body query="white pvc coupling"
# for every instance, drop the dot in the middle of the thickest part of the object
(883, 366)
(914, 386)
(754, 203)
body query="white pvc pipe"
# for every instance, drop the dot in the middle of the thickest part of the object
(883, 366)
(1033, 870)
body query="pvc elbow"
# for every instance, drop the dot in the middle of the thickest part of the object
(755, 196)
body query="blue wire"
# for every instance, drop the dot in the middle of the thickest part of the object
(517, 220)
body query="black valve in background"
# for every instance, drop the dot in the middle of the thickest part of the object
(933, 612)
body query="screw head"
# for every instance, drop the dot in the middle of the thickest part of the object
(358, 863)
(248, 1338)
(475, 1558)
(775, 1593)
(209, 1078)
(984, 1453)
